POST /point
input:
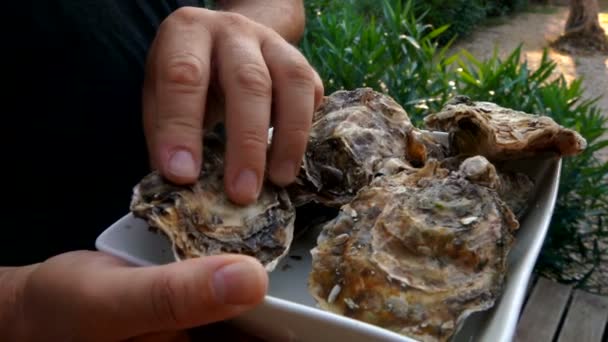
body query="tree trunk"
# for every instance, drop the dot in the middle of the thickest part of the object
(583, 31)
(583, 17)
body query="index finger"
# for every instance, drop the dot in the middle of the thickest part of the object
(180, 68)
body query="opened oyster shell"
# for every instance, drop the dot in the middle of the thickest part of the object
(416, 252)
(498, 133)
(356, 135)
(200, 219)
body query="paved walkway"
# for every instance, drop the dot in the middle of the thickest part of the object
(535, 29)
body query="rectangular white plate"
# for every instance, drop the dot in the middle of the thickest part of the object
(288, 312)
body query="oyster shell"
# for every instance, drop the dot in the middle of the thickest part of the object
(200, 219)
(433, 147)
(416, 252)
(514, 188)
(356, 135)
(498, 133)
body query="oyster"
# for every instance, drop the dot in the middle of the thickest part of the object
(356, 135)
(433, 147)
(514, 188)
(416, 252)
(498, 133)
(201, 220)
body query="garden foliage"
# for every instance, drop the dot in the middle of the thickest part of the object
(463, 16)
(392, 46)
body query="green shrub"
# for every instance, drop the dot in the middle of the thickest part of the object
(462, 15)
(394, 51)
(583, 195)
(391, 53)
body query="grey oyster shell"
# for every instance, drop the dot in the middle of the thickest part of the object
(416, 252)
(498, 133)
(514, 188)
(200, 220)
(356, 135)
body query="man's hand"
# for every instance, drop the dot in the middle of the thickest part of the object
(261, 79)
(90, 296)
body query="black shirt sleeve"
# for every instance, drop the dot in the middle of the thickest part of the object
(76, 146)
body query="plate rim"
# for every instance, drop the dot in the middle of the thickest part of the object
(529, 259)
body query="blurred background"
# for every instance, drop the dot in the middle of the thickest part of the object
(546, 57)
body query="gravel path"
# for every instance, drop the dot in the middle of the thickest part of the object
(534, 30)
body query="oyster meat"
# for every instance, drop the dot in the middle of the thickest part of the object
(200, 219)
(418, 251)
(498, 133)
(356, 135)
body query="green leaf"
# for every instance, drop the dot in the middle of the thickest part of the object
(418, 70)
(437, 32)
(411, 40)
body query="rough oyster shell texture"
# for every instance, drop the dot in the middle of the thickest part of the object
(415, 252)
(498, 133)
(417, 233)
(515, 188)
(356, 135)
(417, 248)
(200, 219)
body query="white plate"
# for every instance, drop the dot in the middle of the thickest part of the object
(288, 312)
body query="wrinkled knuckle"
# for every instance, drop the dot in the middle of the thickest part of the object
(186, 15)
(299, 71)
(295, 139)
(253, 79)
(181, 123)
(234, 20)
(298, 133)
(165, 299)
(185, 69)
(250, 141)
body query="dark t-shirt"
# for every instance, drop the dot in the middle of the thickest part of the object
(73, 148)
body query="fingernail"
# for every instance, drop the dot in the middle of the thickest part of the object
(237, 283)
(246, 183)
(181, 164)
(285, 172)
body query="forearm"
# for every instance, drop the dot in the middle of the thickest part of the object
(12, 280)
(284, 16)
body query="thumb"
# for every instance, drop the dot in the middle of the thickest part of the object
(183, 294)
